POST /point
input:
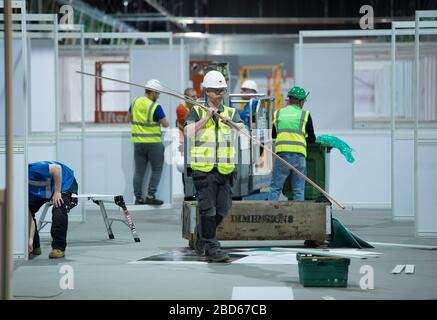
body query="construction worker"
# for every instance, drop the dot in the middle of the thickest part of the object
(147, 117)
(212, 162)
(182, 112)
(293, 129)
(55, 182)
(248, 87)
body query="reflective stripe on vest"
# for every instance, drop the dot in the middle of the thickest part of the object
(42, 188)
(290, 123)
(144, 129)
(214, 146)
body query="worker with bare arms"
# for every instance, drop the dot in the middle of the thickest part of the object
(212, 160)
(55, 182)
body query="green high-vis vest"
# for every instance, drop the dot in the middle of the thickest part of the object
(290, 123)
(144, 129)
(213, 145)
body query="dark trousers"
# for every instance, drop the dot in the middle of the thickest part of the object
(59, 226)
(214, 196)
(143, 154)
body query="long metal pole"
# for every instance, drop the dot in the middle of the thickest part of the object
(416, 123)
(194, 102)
(7, 223)
(82, 104)
(26, 41)
(57, 116)
(392, 117)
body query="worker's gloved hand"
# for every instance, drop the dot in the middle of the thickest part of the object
(57, 199)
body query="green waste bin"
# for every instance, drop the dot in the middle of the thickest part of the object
(317, 155)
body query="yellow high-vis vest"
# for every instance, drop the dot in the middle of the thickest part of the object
(290, 123)
(144, 129)
(213, 144)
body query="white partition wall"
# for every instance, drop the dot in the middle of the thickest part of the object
(403, 182)
(402, 145)
(327, 73)
(425, 150)
(19, 101)
(20, 212)
(170, 67)
(165, 65)
(42, 93)
(364, 183)
(426, 224)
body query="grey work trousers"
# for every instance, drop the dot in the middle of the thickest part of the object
(143, 154)
(214, 196)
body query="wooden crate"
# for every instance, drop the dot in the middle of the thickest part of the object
(267, 220)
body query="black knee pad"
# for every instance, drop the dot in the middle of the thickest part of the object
(71, 203)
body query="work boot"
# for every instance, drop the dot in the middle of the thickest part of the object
(140, 200)
(35, 252)
(56, 253)
(218, 255)
(150, 199)
(199, 245)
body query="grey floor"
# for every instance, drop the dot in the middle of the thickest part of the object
(102, 269)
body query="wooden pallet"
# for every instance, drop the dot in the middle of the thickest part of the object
(267, 220)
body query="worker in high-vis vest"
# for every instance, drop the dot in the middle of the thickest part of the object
(249, 87)
(147, 117)
(293, 129)
(182, 111)
(212, 157)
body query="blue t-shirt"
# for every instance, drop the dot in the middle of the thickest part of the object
(158, 114)
(244, 114)
(41, 182)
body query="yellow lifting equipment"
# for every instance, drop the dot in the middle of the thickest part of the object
(274, 82)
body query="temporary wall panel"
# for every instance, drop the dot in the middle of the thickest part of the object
(20, 212)
(426, 223)
(403, 188)
(171, 68)
(327, 73)
(18, 98)
(42, 88)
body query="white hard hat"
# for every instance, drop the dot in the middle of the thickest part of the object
(153, 84)
(249, 84)
(214, 79)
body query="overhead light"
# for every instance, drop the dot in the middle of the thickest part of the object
(125, 3)
(358, 41)
(96, 39)
(191, 35)
(186, 21)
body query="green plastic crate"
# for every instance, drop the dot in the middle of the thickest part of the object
(315, 171)
(322, 271)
